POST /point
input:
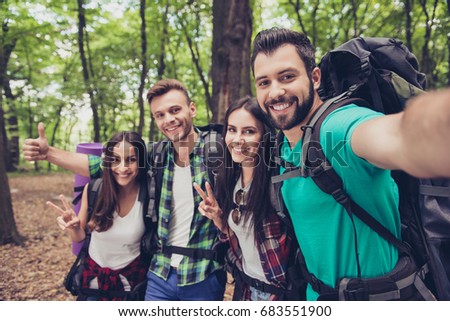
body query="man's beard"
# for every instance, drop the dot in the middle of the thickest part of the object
(285, 122)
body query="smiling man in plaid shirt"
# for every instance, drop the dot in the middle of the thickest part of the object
(175, 276)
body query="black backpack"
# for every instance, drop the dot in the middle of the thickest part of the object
(381, 74)
(213, 151)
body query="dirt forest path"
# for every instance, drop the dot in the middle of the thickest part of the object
(36, 271)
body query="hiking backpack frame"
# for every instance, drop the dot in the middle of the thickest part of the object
(381, 74)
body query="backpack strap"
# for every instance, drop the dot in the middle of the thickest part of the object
(437, 191)
(213, 149)
(326, 178)
(80, 190)
(194, 253)
(241, 278)
(296, 282)
(157, 158)
(329, 181)
(276, 198)
(94, 188)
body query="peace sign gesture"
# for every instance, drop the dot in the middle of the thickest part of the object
(209, 207)
(67, 219)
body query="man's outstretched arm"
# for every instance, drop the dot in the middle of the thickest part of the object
(416, 140)
(38, 149)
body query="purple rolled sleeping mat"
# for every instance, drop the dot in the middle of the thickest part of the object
(81, 181)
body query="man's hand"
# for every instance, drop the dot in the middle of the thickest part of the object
(36, 149)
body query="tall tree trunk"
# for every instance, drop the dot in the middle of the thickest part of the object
(87, 81)
(427, 62)
(12, 144)
(297, 6)
(55, 130)
(195, 54)
(314, 23)
(8, 229)
(6, 48)
(4, 157)
(68, 133)
(408, 26)
(161, 65)
(355, 17)
(144, 69)
(31, 124)
(230, 70)
(448, 47)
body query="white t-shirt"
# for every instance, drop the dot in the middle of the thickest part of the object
(120, 244)
(182, 210)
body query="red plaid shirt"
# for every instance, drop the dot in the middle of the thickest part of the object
(109, 280)
(273, 246)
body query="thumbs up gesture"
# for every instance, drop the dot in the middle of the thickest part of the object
(36, 149)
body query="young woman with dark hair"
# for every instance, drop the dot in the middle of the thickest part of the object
(259, 244)
(114, 263)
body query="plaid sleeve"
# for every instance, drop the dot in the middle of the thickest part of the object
(95, 166)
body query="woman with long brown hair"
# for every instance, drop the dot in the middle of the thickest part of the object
(259, 242)
(114, 264)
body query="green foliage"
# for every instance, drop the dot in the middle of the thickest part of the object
(328, 23)
(45, 75)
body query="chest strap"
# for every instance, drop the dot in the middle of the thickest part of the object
(240, 276)
(193, 253)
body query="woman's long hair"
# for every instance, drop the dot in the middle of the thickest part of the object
(108, 198)
(258, 198)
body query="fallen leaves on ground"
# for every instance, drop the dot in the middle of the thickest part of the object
(36, 270)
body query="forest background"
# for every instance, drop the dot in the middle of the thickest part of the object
(83, 66)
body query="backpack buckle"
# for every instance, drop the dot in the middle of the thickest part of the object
(257, 285)
(316, 171)
(355, 295)
(340, 196)
(365, 68)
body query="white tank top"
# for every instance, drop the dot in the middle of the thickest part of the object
(251, 263)
(182, 210)
(120, 244)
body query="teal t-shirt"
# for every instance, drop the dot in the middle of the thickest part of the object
(322, 226)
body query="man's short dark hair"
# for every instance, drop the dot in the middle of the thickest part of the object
(267, 41)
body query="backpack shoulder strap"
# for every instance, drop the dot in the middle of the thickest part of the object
(213, 149)
(157, 160)
(94, 188)
(326, 178)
